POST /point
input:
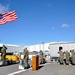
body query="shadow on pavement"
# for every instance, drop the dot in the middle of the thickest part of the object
(40, 67)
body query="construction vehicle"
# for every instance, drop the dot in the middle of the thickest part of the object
(13, 58)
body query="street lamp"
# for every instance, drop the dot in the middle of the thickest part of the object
(43, 45)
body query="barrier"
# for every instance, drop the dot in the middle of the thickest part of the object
(35, 63)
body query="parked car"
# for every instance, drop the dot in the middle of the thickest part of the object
(46, 52)
(47, 56)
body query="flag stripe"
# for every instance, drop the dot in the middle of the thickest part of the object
(10, 13)
(7, 17)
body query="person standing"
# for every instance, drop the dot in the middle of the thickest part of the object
(26, 57)
(3, 54)
(72, 57)
(61, 57)
(41, 57)
(67, 54)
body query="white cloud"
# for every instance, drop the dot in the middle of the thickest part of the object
(65, 25)
(52, 27)
(4, 8)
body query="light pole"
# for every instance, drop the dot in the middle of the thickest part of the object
(43, 45)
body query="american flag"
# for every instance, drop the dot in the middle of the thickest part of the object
(7, 17)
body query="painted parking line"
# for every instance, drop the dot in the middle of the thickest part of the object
(25, 70)
(18, 71)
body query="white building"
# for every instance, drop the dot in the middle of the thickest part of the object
(12, 48)
(52, 47)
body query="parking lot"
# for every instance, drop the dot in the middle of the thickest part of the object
(46, 69)
(5, 70)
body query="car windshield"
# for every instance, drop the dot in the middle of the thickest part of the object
(46, 51)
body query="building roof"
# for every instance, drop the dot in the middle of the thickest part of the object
(10, 45)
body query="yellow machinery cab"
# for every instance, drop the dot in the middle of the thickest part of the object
(11, 57)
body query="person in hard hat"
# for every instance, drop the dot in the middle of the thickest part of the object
(41, 57)
(26, 57)
(3, 54)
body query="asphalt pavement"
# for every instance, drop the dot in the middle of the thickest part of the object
(45, 69)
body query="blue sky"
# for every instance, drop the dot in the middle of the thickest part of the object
(38, 21)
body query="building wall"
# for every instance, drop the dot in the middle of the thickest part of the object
(13, 48)
(52, 47)
(38, 47)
